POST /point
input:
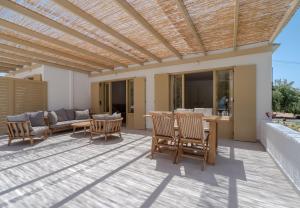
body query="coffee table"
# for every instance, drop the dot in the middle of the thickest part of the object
(84, 124)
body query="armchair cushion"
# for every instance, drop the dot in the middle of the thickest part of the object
(37, 118)
(82, 115)
(107, 116)
(18, 118)
(39, 130)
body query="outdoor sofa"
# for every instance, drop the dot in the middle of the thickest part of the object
(39, 124)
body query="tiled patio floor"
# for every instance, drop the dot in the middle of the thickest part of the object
(66, 171)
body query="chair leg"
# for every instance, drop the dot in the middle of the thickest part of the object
(31, 140)
(179, 152)
(9, 141)
(152, 148)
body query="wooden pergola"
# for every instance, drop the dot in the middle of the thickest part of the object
(98, 36)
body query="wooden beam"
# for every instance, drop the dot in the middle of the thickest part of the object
(45, 20)
(190, 24)
(50, 50)
(99, 24)
(139, 18)
(36, 61)
(236, 23)
(5, 69)
(39, 56)
(9, 65)
(11, 61)
(24, 30)
(288, 15)
(239, 52)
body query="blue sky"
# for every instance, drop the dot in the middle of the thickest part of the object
(286, 59)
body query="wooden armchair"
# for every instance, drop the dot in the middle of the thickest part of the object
(163, 137)
(23, 130)
(105, 127)
(193, 142)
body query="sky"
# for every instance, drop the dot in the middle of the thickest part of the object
(286, 59)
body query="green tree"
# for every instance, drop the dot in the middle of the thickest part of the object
(286, 98)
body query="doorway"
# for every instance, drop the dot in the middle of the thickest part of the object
(198, 90)
(118, 98)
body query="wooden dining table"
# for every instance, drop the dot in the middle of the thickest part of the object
(213, 134)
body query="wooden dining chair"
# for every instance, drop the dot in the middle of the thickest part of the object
(163, 137)
(193, 142)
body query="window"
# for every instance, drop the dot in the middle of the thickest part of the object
(176, 91)
(106, 97)
(224, 92)
(131, 96)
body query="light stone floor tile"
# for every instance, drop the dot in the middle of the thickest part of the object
(70, 171)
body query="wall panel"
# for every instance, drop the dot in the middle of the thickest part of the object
(19, 96)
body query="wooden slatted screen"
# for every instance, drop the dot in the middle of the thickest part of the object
(162, 92)
(19, 96)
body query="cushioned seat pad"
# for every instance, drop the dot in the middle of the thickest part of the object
(39, 130)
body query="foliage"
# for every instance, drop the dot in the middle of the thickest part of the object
(286, 98)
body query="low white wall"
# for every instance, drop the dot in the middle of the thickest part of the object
(263, 62)
(283, 144)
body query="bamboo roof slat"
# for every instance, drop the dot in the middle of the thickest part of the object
(27, 9)
(45, 56)
(54, 33)
(122, 33)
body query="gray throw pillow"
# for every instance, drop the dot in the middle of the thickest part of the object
(18, 118)
(82, 115)
(37, 118)
(61, 115)
(52, 118)
(70, 114)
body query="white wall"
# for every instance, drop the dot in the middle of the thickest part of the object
(66, 89)
(283, 144)
(263, 62)
(39, 70)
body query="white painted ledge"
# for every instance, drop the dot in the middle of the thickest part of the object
(283, 144)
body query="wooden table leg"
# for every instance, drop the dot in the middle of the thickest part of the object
(212, 143)
(74, 129)
(84, 130)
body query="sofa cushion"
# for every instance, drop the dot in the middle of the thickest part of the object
(37, 118)
(52, 117)
(61, 115)
(82, 115)
(70, 114)
(18, 118)
(62, 124)
(39, 130)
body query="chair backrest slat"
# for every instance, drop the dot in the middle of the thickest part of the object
(190, 125)
(163, 124)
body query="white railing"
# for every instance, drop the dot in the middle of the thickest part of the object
(283, 144)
